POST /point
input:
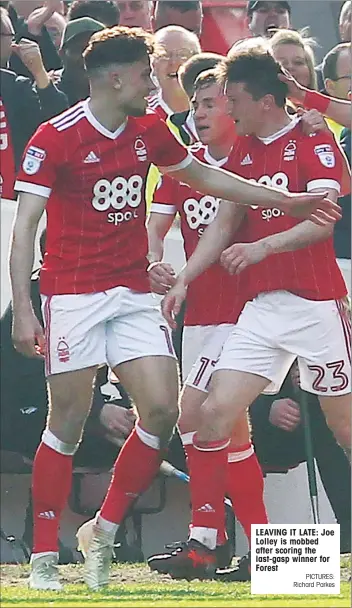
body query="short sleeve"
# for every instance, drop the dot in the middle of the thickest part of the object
(323, 162)
(41, 161)
(164, 196)
(167, 152)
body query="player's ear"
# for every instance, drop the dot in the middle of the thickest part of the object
(268, 101)
(115, 80)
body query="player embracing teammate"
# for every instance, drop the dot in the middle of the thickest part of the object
(296, 294)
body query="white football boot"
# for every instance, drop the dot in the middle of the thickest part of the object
(44, 572)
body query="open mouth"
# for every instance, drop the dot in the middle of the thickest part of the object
(202, 129)
(271, 28)
(172, 75)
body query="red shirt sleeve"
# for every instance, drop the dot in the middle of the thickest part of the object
(41, 162)
(166, 151)
(323, 162)
(165, 196)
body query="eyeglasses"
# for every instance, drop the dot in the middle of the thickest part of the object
(175, 55)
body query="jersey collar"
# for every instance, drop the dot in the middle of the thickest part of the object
(98, 126)
(291, 125)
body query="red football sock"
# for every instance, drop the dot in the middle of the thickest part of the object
(207, 485)
(51, 484)
(134, 470)
(245, 486)
(190, 449)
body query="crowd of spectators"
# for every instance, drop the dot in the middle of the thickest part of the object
(42, 74)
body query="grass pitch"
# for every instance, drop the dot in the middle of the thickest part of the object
(134, 585)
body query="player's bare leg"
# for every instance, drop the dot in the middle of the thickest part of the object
(70, 397)
(219, 411)
(152, 383)
(337, 411)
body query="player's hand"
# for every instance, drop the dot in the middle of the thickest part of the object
(240, 255)
(172, 302)
(296, 91)
(117, 420)
(311, 206)
(161, 277)
(29, 53)
(28, 335)
(312, 122)
(285, 414)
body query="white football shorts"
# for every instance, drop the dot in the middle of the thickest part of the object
(114, 326)
(277, 327)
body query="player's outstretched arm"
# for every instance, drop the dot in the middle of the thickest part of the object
(241, 255)
(213, 241)
(337, 109)
(27, 334)
(222, 184)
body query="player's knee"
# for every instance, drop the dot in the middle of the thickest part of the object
(163, 417)
(216, 415)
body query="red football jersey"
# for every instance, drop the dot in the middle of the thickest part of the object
(95, 182)
(215, 296)
(159, 106)
(296, 162)
(7, 158)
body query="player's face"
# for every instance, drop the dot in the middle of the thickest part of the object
(293, 58)
(268, 17)
(245, 111)
(211, 117)
(135, 86)
(174, 51)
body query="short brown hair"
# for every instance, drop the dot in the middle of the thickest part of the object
(194, 66)
(206, 79)
(257, 69)
(117, 45)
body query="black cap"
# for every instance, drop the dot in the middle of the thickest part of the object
(252, 5)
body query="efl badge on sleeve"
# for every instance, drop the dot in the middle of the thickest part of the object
(326, 155)
(33, 159)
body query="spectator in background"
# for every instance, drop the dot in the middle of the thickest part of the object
(187, 14)
(294, 50)
(336, 70)
(345, 22)
(33, 28)
(175, 46)
(104, 11)
(264, 18)
(22, 107)
(72, 80)
(25, 7)
(135, 13)
(55, 26)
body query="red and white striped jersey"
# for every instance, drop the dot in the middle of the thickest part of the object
(296, 162)
(215, 296)
(94, 180)
(159, 106)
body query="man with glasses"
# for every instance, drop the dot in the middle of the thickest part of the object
(175, 46)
